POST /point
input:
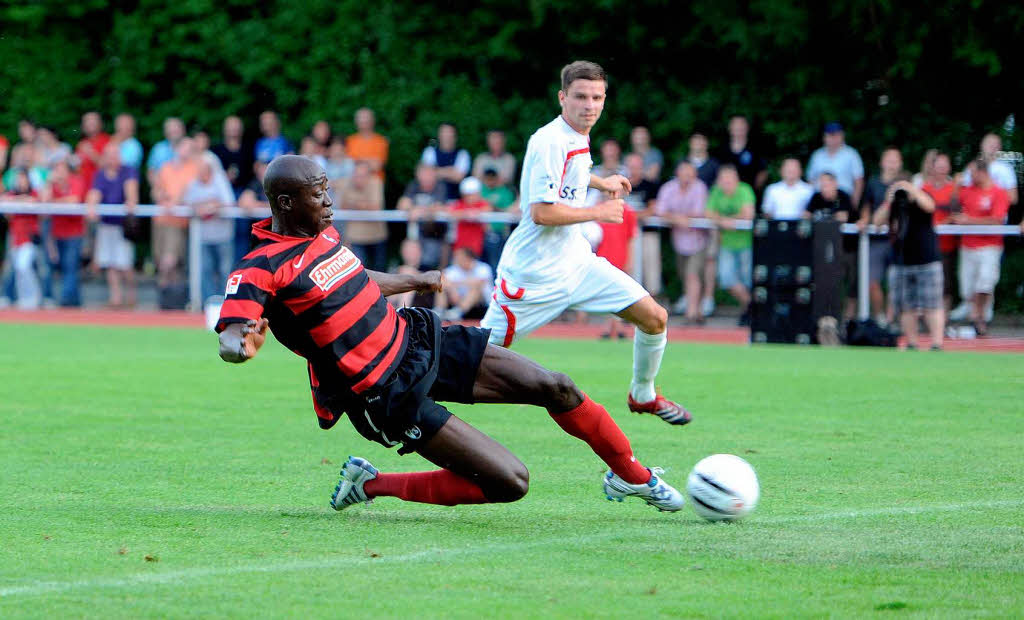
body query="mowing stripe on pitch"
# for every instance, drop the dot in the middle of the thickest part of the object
(37, 588)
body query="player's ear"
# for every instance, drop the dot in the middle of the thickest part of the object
(284, 202)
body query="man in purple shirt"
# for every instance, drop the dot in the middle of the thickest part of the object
(679, 200)
(114, 184)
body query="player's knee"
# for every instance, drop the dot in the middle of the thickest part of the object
(561, 391)
(656, 320)
(511, 485)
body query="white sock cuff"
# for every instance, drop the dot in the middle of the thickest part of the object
(651, 339)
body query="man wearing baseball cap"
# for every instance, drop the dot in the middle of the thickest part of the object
(839, 159)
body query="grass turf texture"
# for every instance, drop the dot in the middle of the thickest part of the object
(144, 477)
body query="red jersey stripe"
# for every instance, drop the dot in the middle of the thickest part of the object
(291, 269)
(273, 249)
(569, 156)
(363, 353)
(240, 309)
(260, 278)
(385, 363)
(346, 316)
(315, 295)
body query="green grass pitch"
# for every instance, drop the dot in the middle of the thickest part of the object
(144, 477)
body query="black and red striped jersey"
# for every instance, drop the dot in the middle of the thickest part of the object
(323, 306)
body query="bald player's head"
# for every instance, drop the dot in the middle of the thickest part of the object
(288, 175)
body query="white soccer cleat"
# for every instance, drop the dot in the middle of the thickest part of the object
(655, 492)
(354, 475)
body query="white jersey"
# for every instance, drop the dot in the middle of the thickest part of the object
(556, 169)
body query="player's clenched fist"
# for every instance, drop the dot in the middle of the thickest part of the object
(241, 341)
(431, 282)
(610, 211)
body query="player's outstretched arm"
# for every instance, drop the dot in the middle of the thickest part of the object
(394, 283)
(241, 341)
(558, 214)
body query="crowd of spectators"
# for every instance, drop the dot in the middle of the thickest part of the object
(907, 276)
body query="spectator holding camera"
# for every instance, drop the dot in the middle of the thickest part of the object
(917, 278)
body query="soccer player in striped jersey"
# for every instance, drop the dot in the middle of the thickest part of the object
(386, 369)
(548, 267)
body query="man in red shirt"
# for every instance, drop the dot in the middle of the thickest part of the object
(617, 248)
(67, 231)
(941, 187)
(90, 147)
(983, 203)
(387, 370)
(469, 234)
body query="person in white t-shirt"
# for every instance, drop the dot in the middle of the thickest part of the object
(469, 282)
(787, 199)
(548, 266)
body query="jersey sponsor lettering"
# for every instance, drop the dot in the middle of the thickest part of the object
(329, 272)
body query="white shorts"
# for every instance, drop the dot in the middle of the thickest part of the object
(979, 270)
(112, 249)
(516, 311)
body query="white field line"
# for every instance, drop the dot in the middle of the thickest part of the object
(178, 577)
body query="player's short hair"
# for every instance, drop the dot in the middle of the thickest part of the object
(581, 70)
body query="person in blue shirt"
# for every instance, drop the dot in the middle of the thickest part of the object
(272, 144)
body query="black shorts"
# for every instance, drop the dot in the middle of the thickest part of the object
(440, 364)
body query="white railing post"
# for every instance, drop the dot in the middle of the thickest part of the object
(863, 276)
(195, 264)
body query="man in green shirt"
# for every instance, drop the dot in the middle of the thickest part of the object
(731, 200)
(502, 198)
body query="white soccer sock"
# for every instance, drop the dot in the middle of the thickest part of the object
(647, 352)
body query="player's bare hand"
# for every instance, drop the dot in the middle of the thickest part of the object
(609, 211)
(431, 282)
(617, 185)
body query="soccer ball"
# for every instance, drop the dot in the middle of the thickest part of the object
(723, 487)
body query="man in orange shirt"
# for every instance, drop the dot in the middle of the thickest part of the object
(170, 232)
(366, 144)
(983, 203)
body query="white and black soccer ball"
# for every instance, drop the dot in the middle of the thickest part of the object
(723, 487)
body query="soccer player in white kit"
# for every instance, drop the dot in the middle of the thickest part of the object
(547, 265)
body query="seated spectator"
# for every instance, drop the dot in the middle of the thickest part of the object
(49, 149)
(124, 136)
(235, 158)
(321, 134)
(339, 165)
(452, 163)
(163, 151)
(983, 202)
(250, 200)
(917, 282)
(272, 144)
(68, 231)
(366, 144)
(309, 148)
(943, 190)
(729, 201)
(170, 232)
(367, 240)
(698, 155)
(787, 199)
(496, 158)
(653, 160)
(411, 255)
(425, 197)
(23, 233)
(617, 248)
(679, 200)
(91, 145)
(749, 165)
(501, 198)
(469, 234)
(207, 194)
(469, 285)
(114, 184)
(832, 203)
(611, 163)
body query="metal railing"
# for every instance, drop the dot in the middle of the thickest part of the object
(195, 254)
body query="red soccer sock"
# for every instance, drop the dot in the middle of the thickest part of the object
(591, 423)
(440, 487)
